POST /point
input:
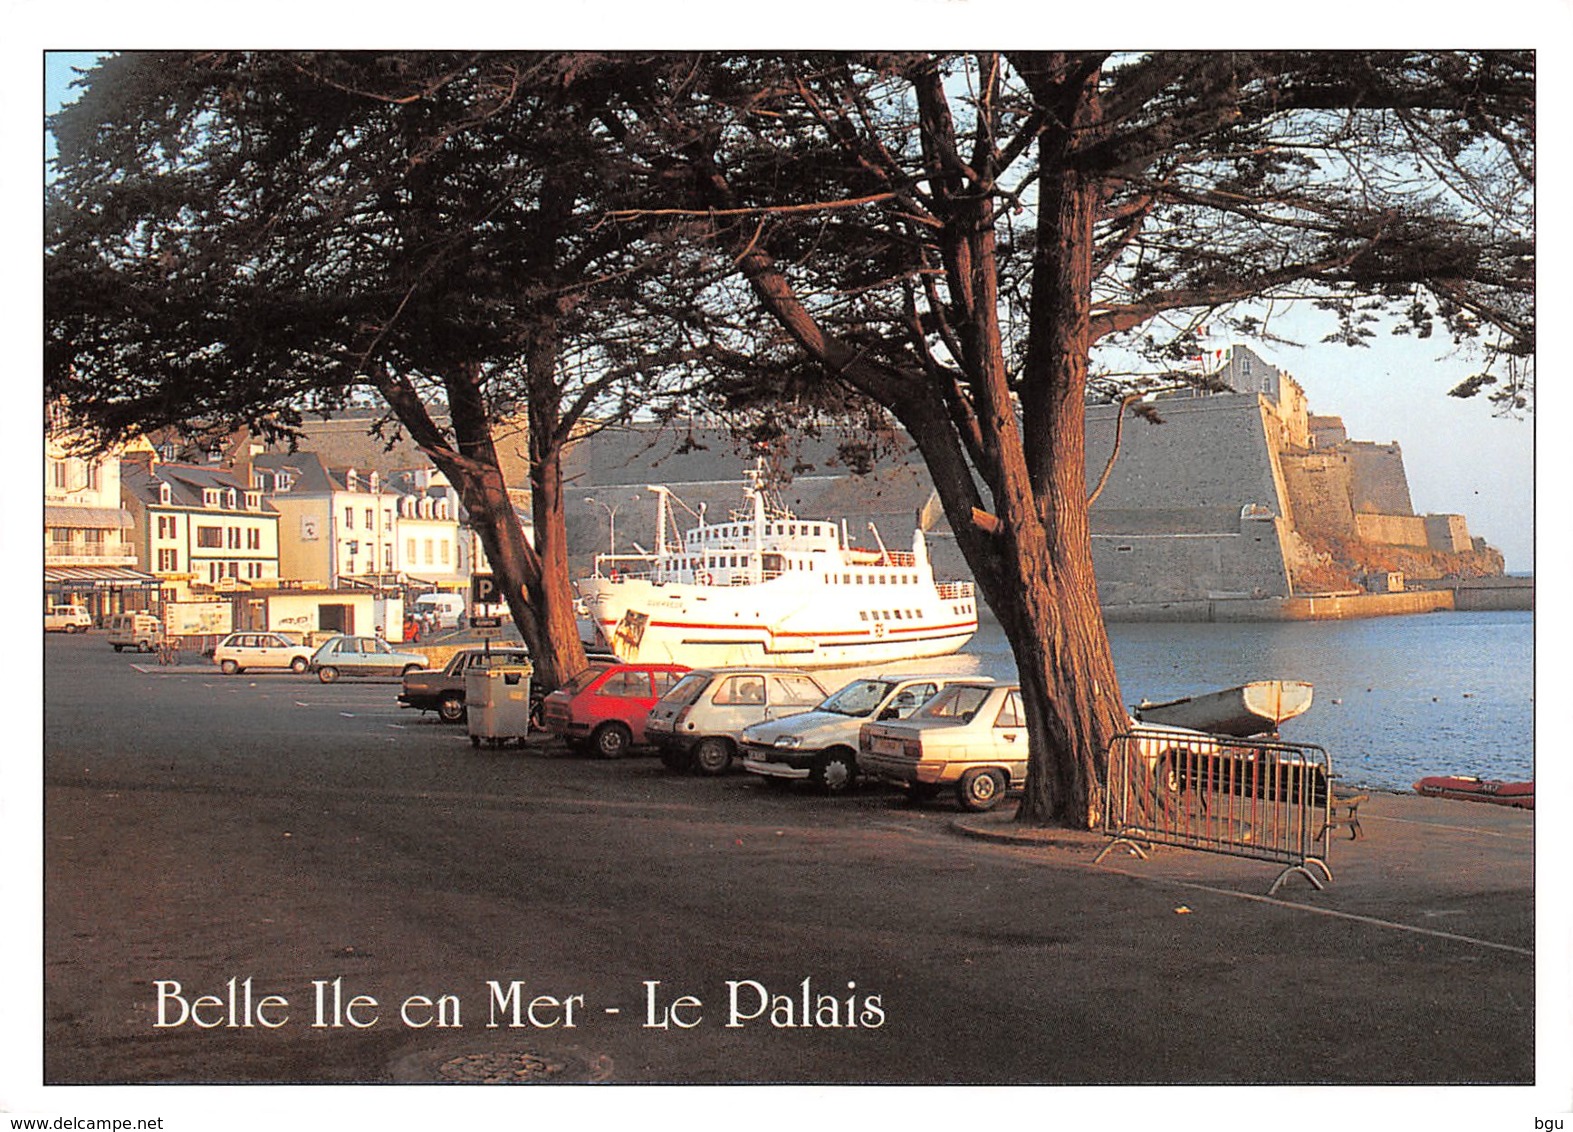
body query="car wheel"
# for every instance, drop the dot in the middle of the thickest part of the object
(475, 742)
(980, 790)
(537, 713)
(836, 771)
(229, 668)
(676, 758)
(611, 740)
(120, 648)
(144, 646)
(327, 674)
(712, 755)
(450, 709)
(299, 665)
(408, 668)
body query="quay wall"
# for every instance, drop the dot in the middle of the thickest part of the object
(1326, 607)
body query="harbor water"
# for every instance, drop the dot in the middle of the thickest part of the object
(1396, 698)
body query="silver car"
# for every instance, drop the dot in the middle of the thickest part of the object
(820, 746)
(698, 724)
(362, 656)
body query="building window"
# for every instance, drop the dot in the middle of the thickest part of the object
(371, 522)
(210, 537)
(234, 538)
(445, 551)
(349, 518)
(409, 551)
(253, 539)
(168, 561)
(428, 552)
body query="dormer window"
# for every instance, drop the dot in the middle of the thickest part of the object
(253, 501)
(374, 481)
(351, 480)
(163, 495)
(229, 499)
(210, 497)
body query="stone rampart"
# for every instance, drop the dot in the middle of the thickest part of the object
(1379, 484)
(1392, 530)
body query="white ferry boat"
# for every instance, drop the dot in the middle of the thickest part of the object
(768, 588)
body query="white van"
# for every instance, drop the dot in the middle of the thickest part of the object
(140, 631)
(66, 619)
(448, 607)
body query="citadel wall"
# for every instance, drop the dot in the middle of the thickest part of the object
(1194, 507)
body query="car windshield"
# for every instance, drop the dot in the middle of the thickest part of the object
(858, 698)
(959, 701)
(687, 690)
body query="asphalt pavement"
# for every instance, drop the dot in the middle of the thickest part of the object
(347, 892)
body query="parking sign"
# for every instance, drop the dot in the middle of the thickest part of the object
(483, 590)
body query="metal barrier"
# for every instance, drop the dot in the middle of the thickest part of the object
(1256, 798)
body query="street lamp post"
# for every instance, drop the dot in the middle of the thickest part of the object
(611, 520)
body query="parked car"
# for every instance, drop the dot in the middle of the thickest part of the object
(699, 724)
(362, 656)
(140, 631)
(67, 619)
(821, 745)
(442, 690)
(971, 737)
(605, 706)
(240, 651)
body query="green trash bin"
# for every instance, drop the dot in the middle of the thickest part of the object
(497, 703)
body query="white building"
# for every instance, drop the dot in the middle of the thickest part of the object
(88, 560)
(200, 530)
(430, 548)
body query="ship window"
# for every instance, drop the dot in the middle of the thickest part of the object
(898, 615)
(862, 615)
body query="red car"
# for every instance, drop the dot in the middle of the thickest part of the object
(604, 708)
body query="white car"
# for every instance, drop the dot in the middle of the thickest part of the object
(66, 619)
(972, 737)
(820, 746)
(699, 723)
(240, 651)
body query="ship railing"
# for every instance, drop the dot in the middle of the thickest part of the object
(950, 591)
(1256, 798)
(626, 566)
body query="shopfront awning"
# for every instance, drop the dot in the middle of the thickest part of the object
(97, 577)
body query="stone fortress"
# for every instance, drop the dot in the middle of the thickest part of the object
(1246, 495)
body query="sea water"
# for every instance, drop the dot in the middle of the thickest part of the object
(1396, 698)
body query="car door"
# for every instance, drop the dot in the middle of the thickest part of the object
(268, 651)
(627, 695)
(737, 702)
(379, 656)
(1010, 736)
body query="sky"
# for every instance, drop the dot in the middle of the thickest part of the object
(1460, 458)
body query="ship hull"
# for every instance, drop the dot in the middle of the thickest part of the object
(726, 626)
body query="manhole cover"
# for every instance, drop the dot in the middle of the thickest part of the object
(502, 1067)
